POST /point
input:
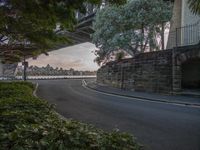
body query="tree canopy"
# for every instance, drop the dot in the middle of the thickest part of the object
(194, 6)
(133, 27)
(29, 27)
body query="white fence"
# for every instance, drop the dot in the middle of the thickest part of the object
(45, 77)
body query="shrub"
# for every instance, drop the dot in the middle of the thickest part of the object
(27, 122)
(119, 56)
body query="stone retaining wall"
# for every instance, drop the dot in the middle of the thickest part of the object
(152, 72)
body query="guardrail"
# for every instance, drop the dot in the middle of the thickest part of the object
(44, 77)
(7, 78)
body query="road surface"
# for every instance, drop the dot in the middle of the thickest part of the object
(158, 126)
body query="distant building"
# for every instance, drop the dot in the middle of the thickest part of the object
(50, 71)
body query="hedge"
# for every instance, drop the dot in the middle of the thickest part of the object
(30, 123)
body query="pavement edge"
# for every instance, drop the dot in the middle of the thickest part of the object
(143, 98)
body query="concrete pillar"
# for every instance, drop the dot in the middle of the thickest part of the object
(174, 23)
(177, 15)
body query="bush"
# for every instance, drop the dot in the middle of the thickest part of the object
(27, 122)
(119, 56)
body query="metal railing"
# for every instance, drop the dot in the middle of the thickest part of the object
(184, 36)
(47, 77)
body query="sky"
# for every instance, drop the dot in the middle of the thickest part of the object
(78, 57)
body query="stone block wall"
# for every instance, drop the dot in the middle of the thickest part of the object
(153, 72)
(160, 71)
(146, 72)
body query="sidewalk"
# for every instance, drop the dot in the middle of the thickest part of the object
(176, 99)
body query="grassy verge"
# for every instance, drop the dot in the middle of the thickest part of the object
(27, 123)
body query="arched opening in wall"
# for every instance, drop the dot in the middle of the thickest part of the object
(191, 74)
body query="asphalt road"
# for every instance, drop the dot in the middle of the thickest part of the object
(157, 126)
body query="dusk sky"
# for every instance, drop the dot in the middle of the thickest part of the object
(79, 57)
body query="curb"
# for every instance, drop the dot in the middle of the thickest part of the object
(144, 98)
(35, 90)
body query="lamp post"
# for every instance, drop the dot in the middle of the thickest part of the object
(25, 64)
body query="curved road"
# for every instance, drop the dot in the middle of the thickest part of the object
(158, 126)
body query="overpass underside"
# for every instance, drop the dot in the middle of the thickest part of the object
(81, 34)
(82, 31)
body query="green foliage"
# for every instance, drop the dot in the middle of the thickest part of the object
(27, 123)
(118, 2)
(132, 27)
(31, 26)
(119, 56)
(194, 5)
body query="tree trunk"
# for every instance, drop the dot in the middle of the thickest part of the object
(142, 38)
(163, 36)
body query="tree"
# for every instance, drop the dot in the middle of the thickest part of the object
(117, 2)
(133, 27)
(119, 56)
(31, 27)
(194, 5)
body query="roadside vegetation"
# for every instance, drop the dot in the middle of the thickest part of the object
(29, 28)
(27, 122)
(134, 27)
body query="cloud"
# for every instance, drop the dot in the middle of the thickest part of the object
(79, 57)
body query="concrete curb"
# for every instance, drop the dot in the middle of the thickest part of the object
(35, 90)
(144, 98)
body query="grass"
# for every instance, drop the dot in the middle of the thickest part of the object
(29, 123)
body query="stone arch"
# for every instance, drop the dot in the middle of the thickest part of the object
(185, 56)
(184, 62)
(190, 74)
